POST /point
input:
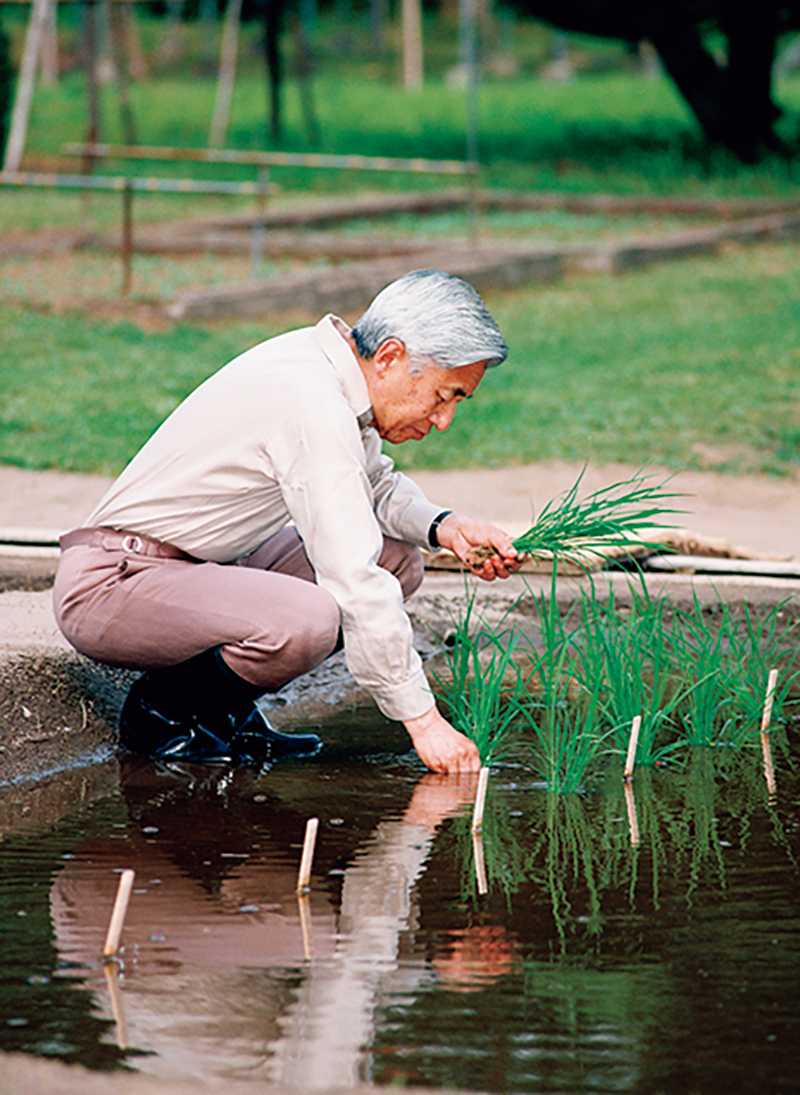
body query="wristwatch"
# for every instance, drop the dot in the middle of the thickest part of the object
(433, 531)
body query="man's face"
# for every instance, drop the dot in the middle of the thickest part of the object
(408, 407)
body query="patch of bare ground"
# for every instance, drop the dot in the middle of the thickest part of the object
(722, 458)
(55, 708)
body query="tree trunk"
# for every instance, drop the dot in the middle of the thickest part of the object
(273, 18)
(411, 14)
(733, 104)
(752, 32)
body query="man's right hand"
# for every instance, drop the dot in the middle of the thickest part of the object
(440, 746)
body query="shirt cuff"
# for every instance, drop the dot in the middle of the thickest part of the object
(405, 701)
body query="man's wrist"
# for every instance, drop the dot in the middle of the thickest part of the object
(433, 531)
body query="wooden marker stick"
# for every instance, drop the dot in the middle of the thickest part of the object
(480, 800)
(633, 742)
(307, 858)
(766, 748)
(118, 914)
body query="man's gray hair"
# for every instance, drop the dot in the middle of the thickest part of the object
(440, 320)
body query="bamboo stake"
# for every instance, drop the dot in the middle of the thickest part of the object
(118, 914)
(480, 863)
(630, 761)
(633, 821)
(304, 875)
(766, 749)
(480, 800)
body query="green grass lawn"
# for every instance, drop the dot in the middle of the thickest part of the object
(607, 129)
(695, 364)
(608, 132)
(688, 365)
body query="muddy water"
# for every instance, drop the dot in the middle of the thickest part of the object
(647, 944)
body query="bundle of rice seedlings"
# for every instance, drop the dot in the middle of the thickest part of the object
(613, 517)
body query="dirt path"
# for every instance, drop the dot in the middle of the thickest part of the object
(756, 512)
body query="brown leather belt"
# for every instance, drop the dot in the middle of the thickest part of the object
(132, 543)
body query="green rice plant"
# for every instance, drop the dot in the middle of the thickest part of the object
(702, 658)
(612, 517)
(726, 661)
(759, 643)
(484, 687)
(562, 716)
(567, 740)
(626, 655)
(552, 660)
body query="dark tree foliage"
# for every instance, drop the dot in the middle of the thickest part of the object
(731, 98)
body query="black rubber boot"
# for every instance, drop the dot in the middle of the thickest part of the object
(201, 710)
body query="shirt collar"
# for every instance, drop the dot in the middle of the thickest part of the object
(332, 334)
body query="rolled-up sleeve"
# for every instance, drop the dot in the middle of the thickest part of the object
(401, 507)
(322, 464)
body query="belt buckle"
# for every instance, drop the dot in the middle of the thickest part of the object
(133, 545)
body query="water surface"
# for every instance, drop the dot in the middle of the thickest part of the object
(636, 945)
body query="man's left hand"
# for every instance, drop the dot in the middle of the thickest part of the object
(458, 534)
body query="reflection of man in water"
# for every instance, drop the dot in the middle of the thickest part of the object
(215, 979)
(189, 567)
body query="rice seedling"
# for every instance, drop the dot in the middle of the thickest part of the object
(484, 688)
(552, 661)
(725, 662)
(567, 739)
(613, 517)
(626, 656)
(702, 658)
(562, 715)
(757, 644)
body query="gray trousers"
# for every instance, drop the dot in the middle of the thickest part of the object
(130, 601)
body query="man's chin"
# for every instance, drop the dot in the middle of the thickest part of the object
(407, 433)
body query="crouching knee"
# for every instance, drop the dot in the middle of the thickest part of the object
(294, 644)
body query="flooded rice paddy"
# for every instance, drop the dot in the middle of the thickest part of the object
(644, 944)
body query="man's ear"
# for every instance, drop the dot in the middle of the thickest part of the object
(390, 352)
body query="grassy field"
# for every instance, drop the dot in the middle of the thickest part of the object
(691, 365)
(609, 128)
(696, 364)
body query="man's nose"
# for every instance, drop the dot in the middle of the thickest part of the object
(443, 416)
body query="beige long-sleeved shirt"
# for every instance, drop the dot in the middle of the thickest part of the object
(282, 434)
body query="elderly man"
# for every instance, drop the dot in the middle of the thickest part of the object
(260, 528)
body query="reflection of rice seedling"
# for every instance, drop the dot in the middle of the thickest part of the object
(484, 688)
(607, 518)
(573, 853)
